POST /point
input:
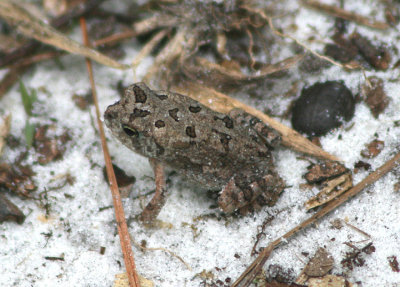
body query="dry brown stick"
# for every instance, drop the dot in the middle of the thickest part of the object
(15, 71)
(250, 273)
(346, 15)
(10, 78)
(146, 50)
(145, 26)
(222, 103)
(15, 14)
(114, 38)
(27, 61)
(58, 22)
(119, 210)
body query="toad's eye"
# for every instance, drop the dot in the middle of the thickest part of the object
(131, 132)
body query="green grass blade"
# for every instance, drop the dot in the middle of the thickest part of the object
(26, 99)
(29, 133)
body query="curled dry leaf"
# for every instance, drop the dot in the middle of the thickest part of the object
(320, 264)
(332, 189)
(26, 23)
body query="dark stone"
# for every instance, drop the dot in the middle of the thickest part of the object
(322, 107)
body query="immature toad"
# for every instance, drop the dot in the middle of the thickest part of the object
(220, 152)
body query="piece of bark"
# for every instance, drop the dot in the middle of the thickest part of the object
(331, 189)
(373, 149)
(374, 94)
(323, 171)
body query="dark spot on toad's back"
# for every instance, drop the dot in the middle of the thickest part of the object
(162, 97)
(254, 121)
(228, 122)
(322, 107)
(194, 109)
(159, 124)
(140, 95)
(190, 131)
(174, 114)
(138, 113)
(225, 138)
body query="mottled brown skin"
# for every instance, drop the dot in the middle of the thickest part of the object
(220, 152)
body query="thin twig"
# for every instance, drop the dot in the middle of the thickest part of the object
(58, 22)
(146, 50)
(173, 254)
(119, 211)
(251, 272)
(358, 230)
(346, 15)
(27, 61)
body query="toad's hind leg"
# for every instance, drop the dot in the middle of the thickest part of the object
(257, 128)
(153, 208)
(238, 195)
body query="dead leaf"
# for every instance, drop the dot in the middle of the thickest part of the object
(373, 149)
(320, 264)
(17, 178)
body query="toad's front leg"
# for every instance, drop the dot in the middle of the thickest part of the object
(243, 196)
(153, 208)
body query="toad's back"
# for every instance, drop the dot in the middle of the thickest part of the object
(207, 146)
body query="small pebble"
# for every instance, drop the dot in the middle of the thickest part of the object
(322, 107)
